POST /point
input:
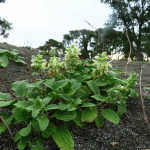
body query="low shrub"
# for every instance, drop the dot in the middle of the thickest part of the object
(77, 94)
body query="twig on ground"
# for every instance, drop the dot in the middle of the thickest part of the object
(145, 117)
(129, 52)
(28, 68)
(98, 36)
(1, 117)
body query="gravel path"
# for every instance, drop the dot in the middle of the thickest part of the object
(131, 133)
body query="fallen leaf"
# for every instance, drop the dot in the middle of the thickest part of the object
(114, 143)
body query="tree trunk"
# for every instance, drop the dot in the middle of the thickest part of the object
(139, 56)
(138, 53)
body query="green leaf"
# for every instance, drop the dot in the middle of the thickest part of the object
(108, 87)
(59, 84)
(15, 85)
(63, 106)
(99, 121)
(77, 119)
(4, 60)
(93, 86)
(132, 93)
(51, 106)
(66, 97)
(48, 82)
(35, 112)
(43, 122)
(76, 101)
(85, 90)
(4, 104)
(7, 120)
(101, 82)
(4, 96)
(23, 142)
(48, 132)
(21, 114)
(53, 94)
(68, 123)
(86, 70)
(147, 88)
(3, 51)
(17, 137)
(110, 115)
(121, 109)
(30, 108)
(21, 145)
(25, 131)
(32, 95)
(35, 124)
(36, 85)
(76, 86)
(99, 98)
(20, 60)
(72, 108)
(63, 138)
(89, 114)
(46, 100)
(37, 147)
(23, 104)
(39, 139)
(22, 89)
(65, 115)
(88, 105)
(69, 91)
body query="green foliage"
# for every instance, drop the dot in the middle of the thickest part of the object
(11, 54)
(134, 19)
(77, 95)
(4, 26)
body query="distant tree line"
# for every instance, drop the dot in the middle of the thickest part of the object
(132, 16)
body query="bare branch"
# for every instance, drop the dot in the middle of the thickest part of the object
(129, 52)
(98, 32)
(145, 117)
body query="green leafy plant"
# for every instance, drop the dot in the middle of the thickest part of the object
(77, 94)
(50, 53)
(11, 54)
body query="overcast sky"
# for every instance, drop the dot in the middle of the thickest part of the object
(36, 21)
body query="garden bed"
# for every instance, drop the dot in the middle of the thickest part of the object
(131, 133)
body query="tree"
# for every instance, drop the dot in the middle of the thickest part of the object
(134, 15)
(4, 25)
(67, 39)
(51, 43)
(80, 38)
(54, 44)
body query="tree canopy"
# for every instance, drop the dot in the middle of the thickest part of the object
(81, 39)
(4, 25)
(134, 15)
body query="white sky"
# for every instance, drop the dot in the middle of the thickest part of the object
(36, 21)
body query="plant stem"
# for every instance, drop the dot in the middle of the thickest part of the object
(28, 68)
(1, 117)
(108, 104)
(52, 124)
(145, 117)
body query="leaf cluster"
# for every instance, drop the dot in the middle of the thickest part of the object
(11, 54)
